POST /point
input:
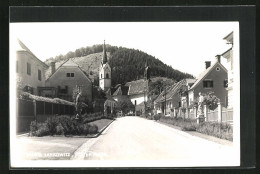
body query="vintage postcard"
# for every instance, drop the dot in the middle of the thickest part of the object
(124, 94)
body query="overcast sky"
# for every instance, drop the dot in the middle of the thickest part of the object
(183, 45)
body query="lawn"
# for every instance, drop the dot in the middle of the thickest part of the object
(101, 123)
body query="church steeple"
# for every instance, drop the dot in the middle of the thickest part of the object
(104, 60)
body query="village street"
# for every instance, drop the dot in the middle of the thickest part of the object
(135, 138)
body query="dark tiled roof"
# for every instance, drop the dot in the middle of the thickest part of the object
(171, 90)
(137, 87)
(118, 91)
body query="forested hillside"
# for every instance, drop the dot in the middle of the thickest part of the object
(126, 64)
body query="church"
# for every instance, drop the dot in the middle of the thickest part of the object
(135, 91)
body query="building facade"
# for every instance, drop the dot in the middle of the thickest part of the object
(229, 56)
(30, 71)
(171, 97)
(70, 78)
(212, 79)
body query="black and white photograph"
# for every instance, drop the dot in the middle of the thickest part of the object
(124, 94)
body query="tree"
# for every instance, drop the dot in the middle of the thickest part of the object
(211, 100)
(125, 106)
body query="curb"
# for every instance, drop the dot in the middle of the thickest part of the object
(22, 135)
(79, 153)
(100, 132)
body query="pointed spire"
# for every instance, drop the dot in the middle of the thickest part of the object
(104, 54)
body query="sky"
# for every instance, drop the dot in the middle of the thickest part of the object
(183, 45)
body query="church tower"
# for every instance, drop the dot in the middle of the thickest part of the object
(104, 72)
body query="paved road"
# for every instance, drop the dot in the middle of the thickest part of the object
(134, 138)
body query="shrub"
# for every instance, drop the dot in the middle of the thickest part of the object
(59, 129)
(158, 116)
(42, 130)
(33, 128)
(85, 129)
(93, 129)
(189, 126)
(51, 124)
(67, 124)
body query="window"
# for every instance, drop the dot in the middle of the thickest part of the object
(101, 76)
(135, 102)
(17, 66)
(39, 75)
(107, 76)
(217, 68)
(208, 84)
(226, 83)
(70, 74)
(28, 68)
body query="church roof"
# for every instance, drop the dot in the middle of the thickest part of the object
(137, 87)
(104, 59)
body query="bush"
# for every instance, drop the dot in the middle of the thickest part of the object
(189, 127)
(33, 128)
(93, 129)
(63, 125)
(158, 116)
(42, 130)
(59, 129)
(51, 124)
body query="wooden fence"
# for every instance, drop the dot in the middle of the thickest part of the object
(227, 115)
(220, 114)
(30, 110)
(212, 115)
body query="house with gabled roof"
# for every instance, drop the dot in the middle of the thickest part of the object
(30, 70)
(212, 79)
(68, 77)
(228, 55)
(170, 97)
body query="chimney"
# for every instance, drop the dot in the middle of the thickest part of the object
(52, 67)
(218, 58)
(207, 63)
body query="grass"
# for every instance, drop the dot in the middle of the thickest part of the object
(219, 130)
(101, 123)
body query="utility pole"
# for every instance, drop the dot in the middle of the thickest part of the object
(165, 100)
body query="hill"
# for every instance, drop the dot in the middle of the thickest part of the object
(126, 64)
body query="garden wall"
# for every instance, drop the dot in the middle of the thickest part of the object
(30, 110)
